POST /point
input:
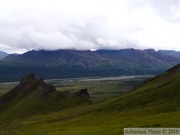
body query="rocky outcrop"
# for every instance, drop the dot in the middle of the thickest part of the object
(82, 93)
(31, 87)
(44, 89)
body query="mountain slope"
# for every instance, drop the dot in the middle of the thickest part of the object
(55, 58)
(156, 103)
(3, 55)
(172, 53)
(33, 96)
(90, 59)
(72, 63)
(160, 93)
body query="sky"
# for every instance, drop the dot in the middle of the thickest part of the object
(89, 24)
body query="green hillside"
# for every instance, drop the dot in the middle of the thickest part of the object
(33, 96)
(156, 103)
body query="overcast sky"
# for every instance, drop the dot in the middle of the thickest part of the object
(89, 24)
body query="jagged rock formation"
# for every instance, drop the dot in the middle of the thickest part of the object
(31, 87)
(83, 93)
(28, 86)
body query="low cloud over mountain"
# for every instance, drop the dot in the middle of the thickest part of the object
(77, 24)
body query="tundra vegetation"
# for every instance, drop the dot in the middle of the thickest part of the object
(151, 103)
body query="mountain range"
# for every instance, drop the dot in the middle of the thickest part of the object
(74, 63)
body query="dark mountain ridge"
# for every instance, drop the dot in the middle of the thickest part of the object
(172, 53)
(74, 63)
(37, 96)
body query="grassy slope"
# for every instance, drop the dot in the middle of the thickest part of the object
(154, 104)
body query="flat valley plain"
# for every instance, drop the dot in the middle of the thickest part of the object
(98, 87)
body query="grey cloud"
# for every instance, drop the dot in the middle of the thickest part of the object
(168, 9)
(44, 32)
(132, 24)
